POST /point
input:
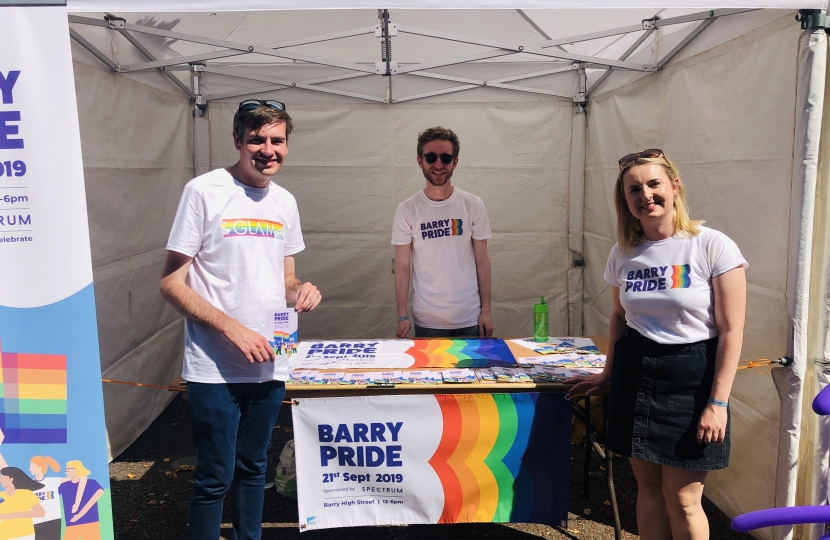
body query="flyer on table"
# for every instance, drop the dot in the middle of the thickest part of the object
(51, 404)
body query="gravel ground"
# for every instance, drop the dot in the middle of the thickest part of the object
(151, 487)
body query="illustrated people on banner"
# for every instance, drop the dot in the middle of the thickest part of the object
(19, 506)
(79, 497)
(443, 231)
(47, 527)
(230, 259)
(675, 336)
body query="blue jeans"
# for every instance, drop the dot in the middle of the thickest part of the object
(232, 425)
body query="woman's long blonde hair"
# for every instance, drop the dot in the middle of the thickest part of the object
(629, 229)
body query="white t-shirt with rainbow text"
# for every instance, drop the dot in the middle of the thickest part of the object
(238, 237)
(444, 280)
(666, 285)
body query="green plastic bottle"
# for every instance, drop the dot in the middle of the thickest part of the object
(540, 321)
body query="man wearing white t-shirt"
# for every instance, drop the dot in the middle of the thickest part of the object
(444, 231)
(230, 259)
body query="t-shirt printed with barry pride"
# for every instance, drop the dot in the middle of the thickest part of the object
(659, 278)
(442, 228)
(444, 281)
(666, 285)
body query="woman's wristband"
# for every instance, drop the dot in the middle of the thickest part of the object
(717, 402)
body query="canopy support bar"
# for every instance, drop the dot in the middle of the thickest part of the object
(624, 56)
(258, 49)
(278, 84)
(530, 49)
(494, 84)
(175, 80)
(91, 49)
(648, 27)
(682, 45)
(228, 54)
(497, 83)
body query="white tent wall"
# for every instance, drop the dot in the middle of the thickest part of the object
(137, 158)
(350, 165)
(726, 117)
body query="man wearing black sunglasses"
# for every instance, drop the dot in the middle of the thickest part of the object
(443, 230)
(230, 259)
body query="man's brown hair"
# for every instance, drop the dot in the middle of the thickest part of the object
(439, 133)
(254, 119)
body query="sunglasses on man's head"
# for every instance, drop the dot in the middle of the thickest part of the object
(251, 104)
(651, 153)
(432, 157)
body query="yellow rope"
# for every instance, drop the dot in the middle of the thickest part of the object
(756, 364)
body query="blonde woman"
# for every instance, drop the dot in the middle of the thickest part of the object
(80, 495)
(679, 292)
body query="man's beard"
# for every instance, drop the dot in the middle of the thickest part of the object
(428, 176)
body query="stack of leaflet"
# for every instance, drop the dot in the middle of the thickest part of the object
(380, 378)
(425, 377)
(536, 374)
(458, 376)
(556, 345)
(575, 356)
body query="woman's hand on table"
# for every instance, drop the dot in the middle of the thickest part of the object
(593, 385)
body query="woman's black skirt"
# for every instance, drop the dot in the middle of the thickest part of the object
(658, 393)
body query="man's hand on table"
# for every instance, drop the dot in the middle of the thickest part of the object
(485, 324)
(403, 328)
(594, 385)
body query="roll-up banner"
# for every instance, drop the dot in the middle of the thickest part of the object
(395, 460)
(53, 448)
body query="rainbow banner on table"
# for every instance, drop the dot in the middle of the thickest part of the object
(33, 398)
(460, 353)
(495, 467)
(395, 460)
(402, 354)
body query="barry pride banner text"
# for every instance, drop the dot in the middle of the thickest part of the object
(394, 460)
(51, 406)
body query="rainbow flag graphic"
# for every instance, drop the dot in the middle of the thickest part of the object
(457, 230)
(503, 458)
(452, 353)
(680, 277)
(32, 398)
(284, 343)
(252, 227)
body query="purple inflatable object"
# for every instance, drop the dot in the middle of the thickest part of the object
(793, 515)
(771, 517)
(821, 404)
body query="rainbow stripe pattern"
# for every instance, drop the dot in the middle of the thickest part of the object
(504, 458)
(680, 277)
(452, 353)
(284, 343)
(252, 227)
(32, 398)
(456, 226)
